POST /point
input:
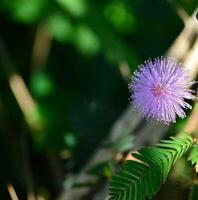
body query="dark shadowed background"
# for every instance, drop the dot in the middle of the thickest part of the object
(65, 66)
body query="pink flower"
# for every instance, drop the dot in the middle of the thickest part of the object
(159, 89)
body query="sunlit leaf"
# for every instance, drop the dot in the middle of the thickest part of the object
(117, 14)
(60, 27)
(76, 7)
(86, 40)
(70, 140)
(41, 84)
(26, 11)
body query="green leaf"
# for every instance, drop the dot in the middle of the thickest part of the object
(142, 178)
(193, 157)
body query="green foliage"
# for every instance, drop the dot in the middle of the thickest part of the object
(143, 176)
(76, 82)
(25, 11)
(59, 26)
(117, 14)
(76, 7)
(86, 40)
(193, 157)
(41, 84)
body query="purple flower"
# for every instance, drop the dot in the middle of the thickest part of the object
(159, 89)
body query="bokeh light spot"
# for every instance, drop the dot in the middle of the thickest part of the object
(41, 84)
(118, 15)
(77, 8)
(60, 27)
(86, 40)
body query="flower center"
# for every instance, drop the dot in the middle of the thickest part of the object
(158, 89)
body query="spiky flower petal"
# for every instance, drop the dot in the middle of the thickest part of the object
(159, 89)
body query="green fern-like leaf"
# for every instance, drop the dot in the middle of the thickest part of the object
(143, 176)
(193, 157)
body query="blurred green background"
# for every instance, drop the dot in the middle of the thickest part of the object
(76, 58)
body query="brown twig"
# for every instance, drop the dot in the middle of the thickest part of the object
(41, 48)
(12, 192)
(27, 105)
(19, 89)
